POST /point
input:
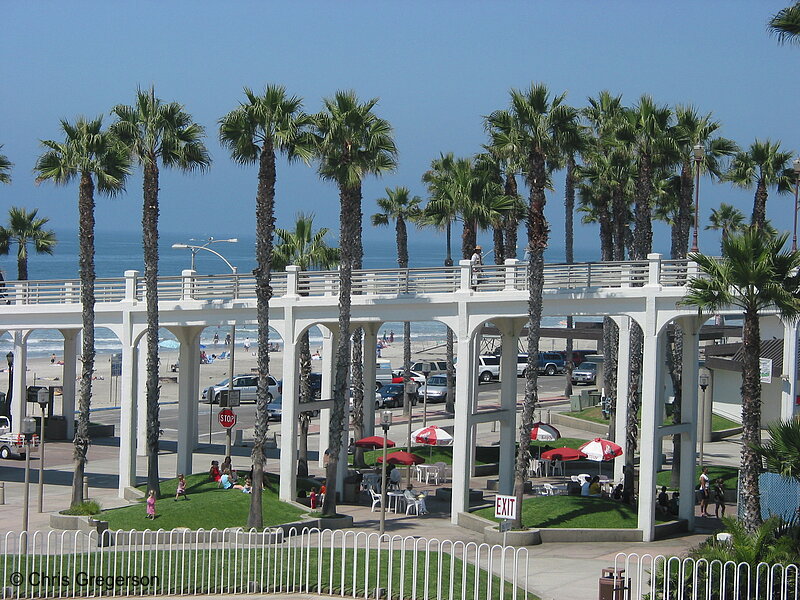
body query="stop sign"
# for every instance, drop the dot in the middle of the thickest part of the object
(227, 418)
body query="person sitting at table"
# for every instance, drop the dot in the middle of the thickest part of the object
(395, 476)
(595, 489)
(411, 496)
(662, 502)
(585, 486)
(617, 493)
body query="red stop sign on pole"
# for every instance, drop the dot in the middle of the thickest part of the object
(227, 418)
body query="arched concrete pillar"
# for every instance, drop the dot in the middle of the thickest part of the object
(128, 408)
(623, 368)
(19, 408)
(463, 426)
(650, 434)
(69, 373)
(789, 374)
(370, 366)
(289, 410)
(140, 394)
(689, 410)
(188, 393)
(329, 337)
(509, 333)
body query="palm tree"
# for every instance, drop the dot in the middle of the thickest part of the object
(98, 160)
(536, 128)
(307, 249)
(754, 274)
(786, 24)
(154, 132)
(727, 219)
(352, 142)
(23, 228)
(253, 132)
(763, 165)
(781, 453)
(5, 168)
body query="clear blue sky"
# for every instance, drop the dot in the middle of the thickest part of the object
(437, 68)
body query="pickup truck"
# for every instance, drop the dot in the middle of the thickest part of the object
(550, 363)
(13, 445)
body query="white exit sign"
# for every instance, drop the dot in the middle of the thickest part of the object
(505, 507)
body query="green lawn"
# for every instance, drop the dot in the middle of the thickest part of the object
(593, 414)
(573, 512)
(719, 423)
(559, 443)
(433, 454)
(728, 474)
(278, 568)
(208, 506)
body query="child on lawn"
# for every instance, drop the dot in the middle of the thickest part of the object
(181, 491)
(151, 505)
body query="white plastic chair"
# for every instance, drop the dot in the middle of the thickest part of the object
(535, 468)
(376, 499)
(442, 473)
(558, 466)
(549, 490)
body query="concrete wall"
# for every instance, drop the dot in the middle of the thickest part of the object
(727, 397)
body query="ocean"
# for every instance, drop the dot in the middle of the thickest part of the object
(117, 252)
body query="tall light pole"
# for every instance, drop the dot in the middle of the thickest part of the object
(698, 152)
(796, 167)
(703, 381)
(194, 249)
(386, 422)
(43, 398)
(28, 430)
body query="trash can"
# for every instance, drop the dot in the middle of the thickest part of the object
(612, 584)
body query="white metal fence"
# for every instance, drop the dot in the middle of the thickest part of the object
(344, 563)
(648, 577)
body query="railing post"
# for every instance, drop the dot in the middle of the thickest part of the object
(21, 292)
(653, 269)
(511, 274)
(187, 285)
(692, 271)
(330, 281)
(625, 276)
(465, 284)
(292, 272)
(130, 285)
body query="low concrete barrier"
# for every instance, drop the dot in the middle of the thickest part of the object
(567, 421)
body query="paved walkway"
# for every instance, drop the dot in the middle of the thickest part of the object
(557, 571)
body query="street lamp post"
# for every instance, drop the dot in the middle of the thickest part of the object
(796, 167)
(386, 422)
(43, 398)
(194, 249)
(703, 381)
(698, 152)
(28, 430)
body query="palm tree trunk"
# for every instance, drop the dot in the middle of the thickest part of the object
(22, 262)
(350, 202)
(448, 261)
(683, 224)
(450, 405)
(619, 212)
(150, 245)
(610, 362)
(499, 247)
(643, 233)
(469, 238)
(511, 223)
(634, 401)
(760, 205)
(305, 396)
(675, 368)
(265, 226)
(537, 242)
(751, 420)
(87, 274)
(357, 378)
(569, 251)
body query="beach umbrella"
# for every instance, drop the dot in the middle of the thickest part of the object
(563, 454)
(432, 435)
(544, 432)
(601, 450)
(403, 458)
(170, 344)
(374, 442)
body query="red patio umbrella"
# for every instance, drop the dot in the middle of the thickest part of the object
(563, 454)
(403, 458)
(374, 442)
(544, 432)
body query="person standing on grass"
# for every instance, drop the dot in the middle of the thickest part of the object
(719, 497)
(705, 492)
(181, 490)
(151, 505)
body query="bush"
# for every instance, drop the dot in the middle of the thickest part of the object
(87, 508)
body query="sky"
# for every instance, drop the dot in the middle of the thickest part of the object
(437, 67)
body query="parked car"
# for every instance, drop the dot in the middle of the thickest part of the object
(275, 409)
(416, 377)
(392, 396)
(488, 368)
(586, 372)
(13, 445)
(437, 389)
(435, 366)
(551, 363)
(246, 384)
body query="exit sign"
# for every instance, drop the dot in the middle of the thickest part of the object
(505, 507)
